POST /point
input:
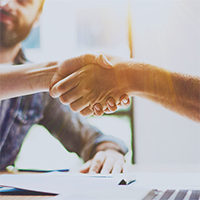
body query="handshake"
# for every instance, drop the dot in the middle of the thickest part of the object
(91, 84)
(96, 83)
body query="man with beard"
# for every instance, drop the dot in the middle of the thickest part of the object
(104, 154)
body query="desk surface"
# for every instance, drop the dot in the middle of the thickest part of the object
(181, 169)
(7, 197)
(22, 197)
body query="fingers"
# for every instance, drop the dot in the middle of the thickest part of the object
(118, 167)
(105, 162)
(95, 59)
(108, 166)
(78, 105)
(71, 65)
(112, 107)
(76, 100)
(86, 112)
(97, 162)
(64, 85)
(103, 61)
(98, 111)
(124, 100)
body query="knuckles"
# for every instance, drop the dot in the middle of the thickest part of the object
(86, 112)
(64, 99)
(73, 107)
(60, 88)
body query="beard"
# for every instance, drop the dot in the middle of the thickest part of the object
(9, 38)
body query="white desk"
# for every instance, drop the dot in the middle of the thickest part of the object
(148, 177)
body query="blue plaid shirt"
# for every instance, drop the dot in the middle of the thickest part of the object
(17, 115)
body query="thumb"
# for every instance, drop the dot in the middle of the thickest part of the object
(73, 64)
(97, 58)
(103, 61)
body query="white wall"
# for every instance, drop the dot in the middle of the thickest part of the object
(167, 34)
(59, 41)
(58, 26)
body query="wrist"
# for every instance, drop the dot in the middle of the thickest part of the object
(104, 146)
(131, 76)
(41, 76)
(140, 77)
(51, 72)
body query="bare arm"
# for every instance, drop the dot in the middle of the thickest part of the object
(175, 91)
(26, 79)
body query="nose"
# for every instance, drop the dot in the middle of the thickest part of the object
(6, 2)
(7, 5)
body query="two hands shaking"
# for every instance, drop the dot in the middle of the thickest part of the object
(80, 83)
(87, 83)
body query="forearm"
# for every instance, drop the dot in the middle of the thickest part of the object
(175, 91)
(92, 84)
(25, 79)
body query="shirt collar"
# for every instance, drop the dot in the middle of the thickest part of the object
(20, 58)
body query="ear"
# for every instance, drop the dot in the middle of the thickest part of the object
(37, 20)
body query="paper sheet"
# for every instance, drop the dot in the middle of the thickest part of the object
(60, 182)
(145, 183)
(96, 187)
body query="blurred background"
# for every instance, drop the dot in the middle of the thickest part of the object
(164, 33)
(67, 29)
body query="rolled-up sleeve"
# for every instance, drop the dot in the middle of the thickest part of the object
(73, 130)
